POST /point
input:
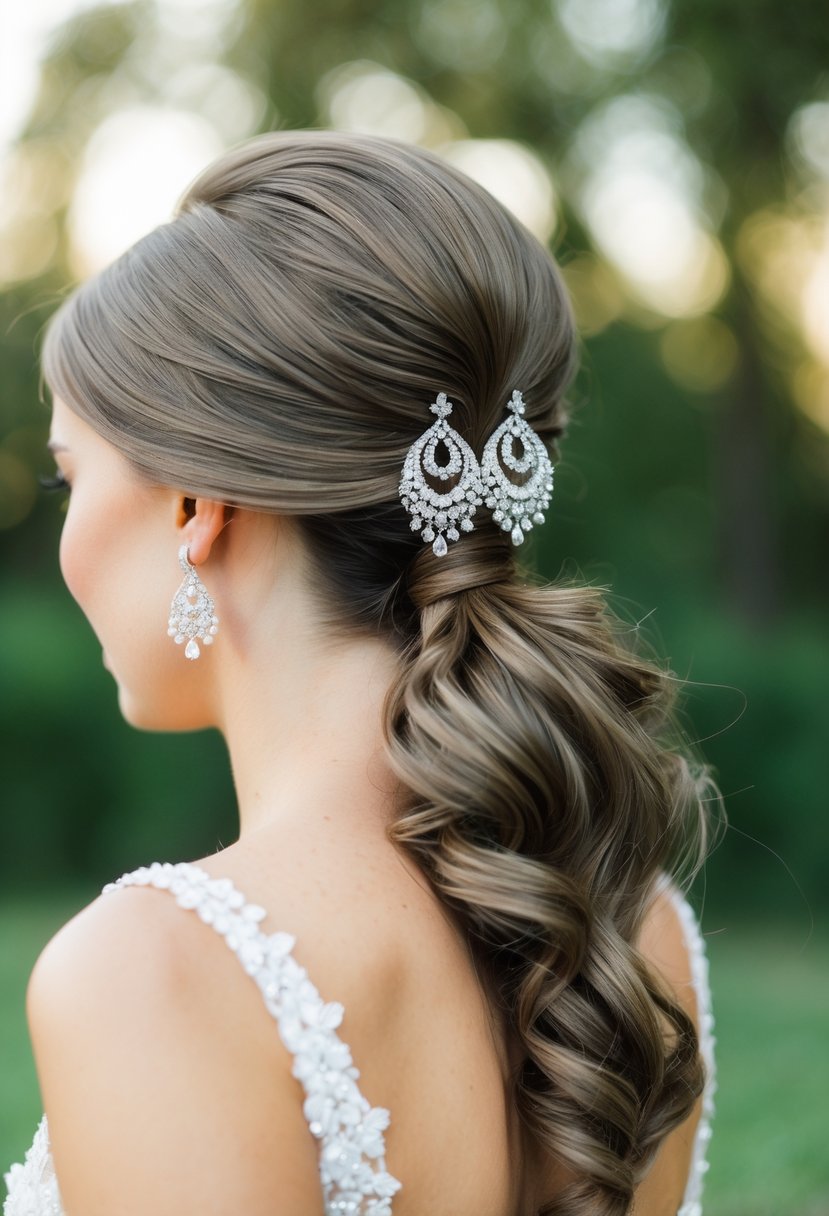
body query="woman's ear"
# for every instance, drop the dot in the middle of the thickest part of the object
(200, 521)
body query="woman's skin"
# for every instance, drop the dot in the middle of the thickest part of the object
(163, 1076)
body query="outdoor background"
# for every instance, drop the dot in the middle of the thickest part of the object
(675, 155)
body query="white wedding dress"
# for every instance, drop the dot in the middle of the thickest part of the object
(353, 1174)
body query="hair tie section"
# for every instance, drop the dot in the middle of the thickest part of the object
(484, 560)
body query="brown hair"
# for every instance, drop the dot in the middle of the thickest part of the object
(276, 346)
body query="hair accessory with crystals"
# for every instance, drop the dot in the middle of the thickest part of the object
(516, 507)
(192, 612)
(438, 514)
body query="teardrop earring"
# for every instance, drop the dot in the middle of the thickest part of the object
(192, 612)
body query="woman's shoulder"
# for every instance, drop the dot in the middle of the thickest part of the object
(343, 924)
(124, 962)
(138, 987)
(108, 941)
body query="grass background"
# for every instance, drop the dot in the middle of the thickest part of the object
(771, 1006)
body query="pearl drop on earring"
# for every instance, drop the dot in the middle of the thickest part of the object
(192, 612)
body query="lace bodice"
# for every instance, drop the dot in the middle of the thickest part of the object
(353, 1174)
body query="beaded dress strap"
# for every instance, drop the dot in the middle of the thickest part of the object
(355, 1181)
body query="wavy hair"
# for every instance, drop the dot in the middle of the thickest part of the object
(276, 346)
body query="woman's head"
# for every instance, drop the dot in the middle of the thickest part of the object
(277, 345)
(273, 351)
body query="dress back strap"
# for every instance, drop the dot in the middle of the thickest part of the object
(350, 1131)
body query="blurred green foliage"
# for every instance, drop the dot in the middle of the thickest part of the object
(699, 495)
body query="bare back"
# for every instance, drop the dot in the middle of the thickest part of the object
(416, 1020)
(425, 1039)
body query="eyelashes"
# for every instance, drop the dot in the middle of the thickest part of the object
(58, 482)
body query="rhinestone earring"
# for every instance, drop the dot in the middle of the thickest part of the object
(442, 513)
(192, 612)
(516, 507)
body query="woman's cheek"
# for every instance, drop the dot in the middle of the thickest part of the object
(79, 558)
(67, 556)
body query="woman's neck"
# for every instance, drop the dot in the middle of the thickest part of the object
(304, 735)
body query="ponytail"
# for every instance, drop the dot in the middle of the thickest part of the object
(546, 805)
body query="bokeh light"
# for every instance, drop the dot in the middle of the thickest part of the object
(26, 28)
(234, 107)
(640, 189)
(808, 137)
(514, 175)
(605, 30)
(135, 167)
(786, 257)
(815, 300)
(364, 97)
(203, 27)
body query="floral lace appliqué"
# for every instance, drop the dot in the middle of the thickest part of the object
(355, 1181)
(32, 1187)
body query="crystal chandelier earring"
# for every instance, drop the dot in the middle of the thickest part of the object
(192, 612)
(516, 507)
(438, 515)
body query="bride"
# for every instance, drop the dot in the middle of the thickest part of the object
(306, 428)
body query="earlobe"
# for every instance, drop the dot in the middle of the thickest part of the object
(205, 519)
